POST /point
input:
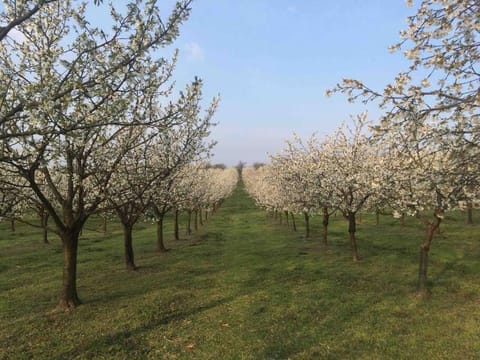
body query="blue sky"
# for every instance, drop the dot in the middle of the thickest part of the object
(272, 60)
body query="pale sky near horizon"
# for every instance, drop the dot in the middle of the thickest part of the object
(272, 60)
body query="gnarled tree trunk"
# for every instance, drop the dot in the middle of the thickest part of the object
(432, 228)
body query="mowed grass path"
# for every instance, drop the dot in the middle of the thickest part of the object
(245, 287)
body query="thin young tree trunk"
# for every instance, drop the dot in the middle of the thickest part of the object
(44, 221)
(69, 297)
(189, 223)
(195, 224)
(432, 228)
(286, 218)
(175, 224)
(160, 244)
(12, 225)
(293, 222)
(104, 227)
(352, 228)
(377, 218)
(325, 222)
(469, 213)
(200, 215)
(206, 215)
(307, 224)
(280, 218)
(402, 220)
(128, 244)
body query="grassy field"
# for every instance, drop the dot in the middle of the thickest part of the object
(245, 287)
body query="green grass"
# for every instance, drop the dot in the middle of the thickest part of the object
(245, 287)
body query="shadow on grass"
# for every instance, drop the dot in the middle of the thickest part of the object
(129, 339)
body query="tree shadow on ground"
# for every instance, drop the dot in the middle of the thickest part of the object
(130, 339)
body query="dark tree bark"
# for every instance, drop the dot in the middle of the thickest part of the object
(175, 224)
(160, 244)
(307, 224)
(12, 225)
(402, 220)
(286, 218)
(352, 228)
(44, 223)
(280, 218)
(206, 215)
(69, 297)
(200, 216)
(377, 218)
(431, 229)
(189, 222)
(325, 222)
(128, 244)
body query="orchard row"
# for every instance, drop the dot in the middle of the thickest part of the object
(380, 172)
(90, 123)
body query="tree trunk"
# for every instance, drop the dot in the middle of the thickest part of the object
(307, 225)
(196, 221)
(12, 225)
(175, 224)
(189, 222)
(377, 218)
(325, 221)
(402, 220)
(280, 218)
(469, 213)
(104, 228)
(44, 221)
(128, 240)
(200, 215)
(160, 244)
(352, 228)
(432, 228)
(69, 298)
(286, 218)
(206, 215)
(422, 289)
(293, 222)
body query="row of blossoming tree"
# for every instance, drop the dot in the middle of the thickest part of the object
(423, 156)
(89, 122)
(354, 171)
